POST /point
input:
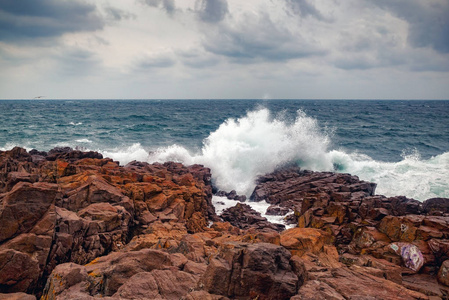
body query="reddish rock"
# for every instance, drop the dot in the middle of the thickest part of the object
(203, 295)
(302, 240)
(362, 285)
(116, 217)
(18, 272)
(315, 289)
(398, 229)
(17, 296)
(261, 271)
(64, 277)
(443, 273)
(157, 284)
(23, 206)
(426, 284)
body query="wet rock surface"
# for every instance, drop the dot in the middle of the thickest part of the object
(75, 225)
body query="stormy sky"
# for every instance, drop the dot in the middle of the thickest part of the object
(165, 49)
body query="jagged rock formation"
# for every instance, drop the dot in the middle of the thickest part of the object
(75, 225)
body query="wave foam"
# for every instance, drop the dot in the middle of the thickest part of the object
(240, 150)
(411, 177)
(256, 144)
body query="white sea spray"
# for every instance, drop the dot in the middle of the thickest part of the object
(258, 143)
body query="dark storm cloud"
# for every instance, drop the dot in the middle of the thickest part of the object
(167, 5)
(428, 21)
(46, 18)
(305, 9)
(212, 11)
(258, 38)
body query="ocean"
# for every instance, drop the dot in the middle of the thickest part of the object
(403, 146)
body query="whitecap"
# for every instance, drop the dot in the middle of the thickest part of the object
(242, 149)
(84, 141)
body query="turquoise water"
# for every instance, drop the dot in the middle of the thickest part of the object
(401, 145)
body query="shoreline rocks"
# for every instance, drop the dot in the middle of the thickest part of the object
(77, 225)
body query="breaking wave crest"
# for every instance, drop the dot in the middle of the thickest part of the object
(258, 143)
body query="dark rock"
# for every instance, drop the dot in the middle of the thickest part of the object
(36, 152)
(277, 211)
(241, 198)
(221, 194)
(69, 154)
(436, 206)
(244, 217)
(231, 195)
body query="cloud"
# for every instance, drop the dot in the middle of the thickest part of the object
(115, 14)
(257, 38)
(305, 9)
(150, 62)
(167, 5)
(428, 21)
(212, 11)
(46, 18)
(75, 61)
(197, 59)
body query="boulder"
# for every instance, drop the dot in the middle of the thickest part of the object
(18, 272)
(436, 206)
(443, 273)
(157, 284)
(303, 240)
(24, 206)
(261, 271)
(244, 217)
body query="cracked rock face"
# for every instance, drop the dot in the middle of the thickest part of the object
(77, 225)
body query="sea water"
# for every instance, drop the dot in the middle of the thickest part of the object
(403, 146)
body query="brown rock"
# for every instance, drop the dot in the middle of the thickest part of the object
(443, 273)
(302, 240)
(112, 271)
(398, 229)
(317, 290)
(436, 206)
(157, 284)
(244, 217)
(361, 285)
(17, 296)
(63, 277)
(23, 206)
(367, 237)
(426, 284)
(195, 268)
(18, 272)
(260, 271)
(107, 216)
(203, 295)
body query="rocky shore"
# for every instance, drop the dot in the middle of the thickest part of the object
(75, 225)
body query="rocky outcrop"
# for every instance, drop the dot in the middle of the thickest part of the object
(400, 231)
(73, 206)
(75, 225)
